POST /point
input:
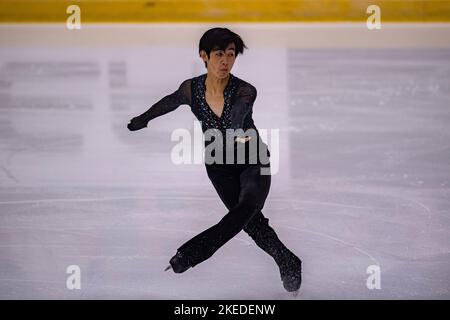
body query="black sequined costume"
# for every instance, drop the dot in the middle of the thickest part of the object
(239, 97)
(241, 187)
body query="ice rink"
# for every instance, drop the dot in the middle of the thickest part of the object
(363, 162)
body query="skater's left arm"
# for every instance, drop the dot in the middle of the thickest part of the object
(243, 107)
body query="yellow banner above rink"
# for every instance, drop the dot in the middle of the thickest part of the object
(224, 10)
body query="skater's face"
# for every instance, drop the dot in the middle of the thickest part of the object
(220, 62)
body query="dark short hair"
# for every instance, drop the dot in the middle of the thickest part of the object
(219, 39)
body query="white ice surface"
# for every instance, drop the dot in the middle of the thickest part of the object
(364, 165)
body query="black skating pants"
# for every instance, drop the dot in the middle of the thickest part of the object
(243, 190)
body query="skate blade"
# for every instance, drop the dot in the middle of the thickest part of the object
(295, 293)
(168, 267)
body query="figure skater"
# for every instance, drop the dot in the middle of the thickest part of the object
(221, 101)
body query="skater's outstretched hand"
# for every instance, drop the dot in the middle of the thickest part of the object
(137, 123)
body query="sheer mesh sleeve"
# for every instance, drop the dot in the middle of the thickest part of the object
(170, 102)
(167, 104)
(245, 97)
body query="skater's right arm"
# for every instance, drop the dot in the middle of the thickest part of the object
(167, 104)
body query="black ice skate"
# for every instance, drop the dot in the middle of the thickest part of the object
(291, 273)
(179, 263)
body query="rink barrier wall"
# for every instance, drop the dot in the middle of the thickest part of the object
(95, 11)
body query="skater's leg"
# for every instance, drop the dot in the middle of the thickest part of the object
(266, 238)
(225, 180)
(253, 193)
(227, 185)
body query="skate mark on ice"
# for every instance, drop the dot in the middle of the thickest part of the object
(8, 173)
(171, 198)
(176, 230)
(324, 235)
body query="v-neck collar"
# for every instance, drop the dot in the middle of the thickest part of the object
(224, 95)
